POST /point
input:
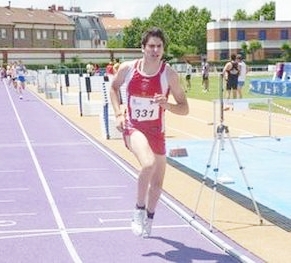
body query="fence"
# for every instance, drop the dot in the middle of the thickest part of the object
(47, 56)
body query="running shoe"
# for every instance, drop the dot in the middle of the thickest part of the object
(147, 228)
(138, 221)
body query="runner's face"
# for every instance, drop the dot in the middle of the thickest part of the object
(154, 48)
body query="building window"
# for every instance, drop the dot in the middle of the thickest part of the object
(65, 35)
(284, 34)
(22, 34)
(224, 55)
(59, 35)
(16, 33)
(223, 35)
(241, 36)
(262, 34)
(44, 34)
(19, 34)
(3, 33)
(38, 34)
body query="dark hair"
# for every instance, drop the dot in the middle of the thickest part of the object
(233, 56)
(153, 32)
(239, 56)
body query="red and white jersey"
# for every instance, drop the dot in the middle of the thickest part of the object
(142, 111)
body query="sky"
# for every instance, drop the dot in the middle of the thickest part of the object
(128, 9)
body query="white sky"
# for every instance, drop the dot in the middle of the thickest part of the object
(143, 8)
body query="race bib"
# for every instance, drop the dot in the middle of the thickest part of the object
(144, 109)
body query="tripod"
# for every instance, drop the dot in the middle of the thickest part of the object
(217, 147)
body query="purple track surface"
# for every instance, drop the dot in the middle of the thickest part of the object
(64, 199)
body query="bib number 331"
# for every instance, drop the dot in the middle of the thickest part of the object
(144, 109)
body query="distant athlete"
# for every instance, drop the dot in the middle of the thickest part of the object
(231, 72)
(20, 71)
(242, 75)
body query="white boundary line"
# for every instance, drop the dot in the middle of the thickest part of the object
(201, 229)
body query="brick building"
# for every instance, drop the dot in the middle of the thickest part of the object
(226, 37)
(35, 28)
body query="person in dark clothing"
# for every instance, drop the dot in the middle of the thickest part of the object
(231, 72)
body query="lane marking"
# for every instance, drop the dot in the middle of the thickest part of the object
(94, 187)
(105, 211)
(80, 169)
(7, 201)
(105, 198)
(54, 232)
(5, 223)
(56, 212)
(61, 144)
(12, 171)
(19, 214)
(13, 189)
(101, 221)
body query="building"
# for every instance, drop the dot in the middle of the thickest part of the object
(90, 32)
(35, 28)
(51, 28)
(114, 26)
(226, 37)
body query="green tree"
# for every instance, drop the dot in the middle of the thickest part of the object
(185, 30)
(240, 15)
(267, 11)
(167, 18)
(251, 47)
(193, 29)
(286, 52)
(132, 34)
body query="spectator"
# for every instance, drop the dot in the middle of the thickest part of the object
(242, 75)
(231, 72)
(205, 75)
(189, 69)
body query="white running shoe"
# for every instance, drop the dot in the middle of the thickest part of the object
(138, 221)
(147, 227)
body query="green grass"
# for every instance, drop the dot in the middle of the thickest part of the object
(215, 89)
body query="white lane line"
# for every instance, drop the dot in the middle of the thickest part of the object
(104, 198)
(19, 214)
(94, 187)
(105, 211)
(7, 201)
(61, 144)
(80, 169)
(102, 221)
(56, 212)
(13, 189)
(11, 171)
(54, 232)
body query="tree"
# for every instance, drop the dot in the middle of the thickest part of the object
(185, 30)
(251, 47)
(193, 29)
(286, 49)
(132, 34)
(267, 11)
(240, 15)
